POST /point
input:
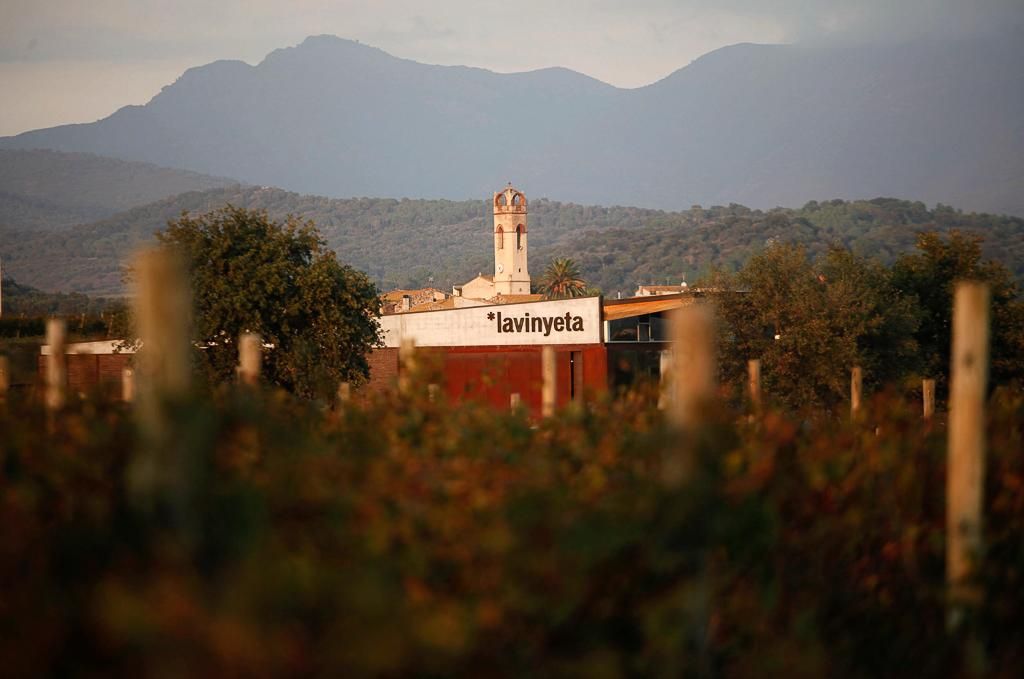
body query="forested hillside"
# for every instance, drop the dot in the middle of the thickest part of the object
(676, 245)
(405, 243)
(398, 242)
(23, 301)
(42, 189)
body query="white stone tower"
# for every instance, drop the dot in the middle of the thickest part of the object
(511, 277)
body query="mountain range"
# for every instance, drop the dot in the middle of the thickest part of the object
(47, 190)
(762, 125)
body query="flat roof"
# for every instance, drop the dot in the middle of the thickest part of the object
(616, 309)
(97, 347)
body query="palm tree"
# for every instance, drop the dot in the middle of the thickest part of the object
(562, 280)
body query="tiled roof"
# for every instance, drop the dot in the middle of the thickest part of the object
(664, 288)
(514, 299)
(414, 295)
(435, 306)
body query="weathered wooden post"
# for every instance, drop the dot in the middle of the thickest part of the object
(5, 379)
(56, 364)
(163, 311)
(694, 363)
(665, 379)
(128, 385)
(754, 383)
(549, 381)
(966, 466)
(344, 394)
(928, 398)
(515, 401)
(406, 365)
(856, 390)
(250, 358)
(693, 384)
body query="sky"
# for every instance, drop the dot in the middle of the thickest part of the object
(66, 61)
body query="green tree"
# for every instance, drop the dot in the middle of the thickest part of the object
(317, 317)
(561, 280)
(864, 303)
(809, 324)
(930, 274)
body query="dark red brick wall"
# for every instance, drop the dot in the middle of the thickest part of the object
(493, 373)
(110, 367)
(383, 368)
(89, 372)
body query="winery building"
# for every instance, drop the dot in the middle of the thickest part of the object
(491, 351)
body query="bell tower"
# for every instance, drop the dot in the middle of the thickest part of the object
(511, 277)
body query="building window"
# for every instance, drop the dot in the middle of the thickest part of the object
(644, 328)
(519, 237)
(500, 238)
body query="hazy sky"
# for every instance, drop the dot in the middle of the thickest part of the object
(67, 61)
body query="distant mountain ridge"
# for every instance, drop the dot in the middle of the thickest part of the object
(46, 190)
(413, 243)
(761, 125)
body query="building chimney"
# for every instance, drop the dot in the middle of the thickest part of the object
(406, 303)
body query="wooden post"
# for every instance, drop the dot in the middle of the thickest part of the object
(928, 398)
(754, 383)
(128, 385)
(344, 393)
(163, 311)
(163, 375)
(406, 365)
(250, 358)
(694, 368)
(856, 390)
(965, 479)
(56, 364)
(549, 376)
(694, 363)
(665, 379)
(5, 378)
(515, 401)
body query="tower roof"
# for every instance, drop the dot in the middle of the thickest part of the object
(509, 199)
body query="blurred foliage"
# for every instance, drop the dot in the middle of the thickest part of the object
(406, 537)
(406, 243)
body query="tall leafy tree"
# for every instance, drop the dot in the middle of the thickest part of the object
(317, 317)
(930, 275)
(864, 303)
(561, 280)
(810, 323)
